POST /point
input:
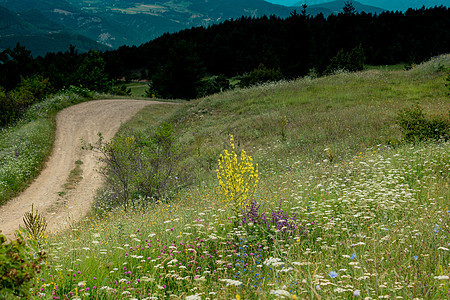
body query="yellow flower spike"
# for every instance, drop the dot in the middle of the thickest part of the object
(238, 297)
(238, 178)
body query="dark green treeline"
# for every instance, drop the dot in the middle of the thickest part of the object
(295, 45)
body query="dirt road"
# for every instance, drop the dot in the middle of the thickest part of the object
(47, 193)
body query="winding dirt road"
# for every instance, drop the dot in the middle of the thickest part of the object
(82, 121)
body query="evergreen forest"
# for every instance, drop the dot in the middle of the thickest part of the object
(186, 64)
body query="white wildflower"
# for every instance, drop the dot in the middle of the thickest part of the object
(231, 282)
(194, 297)
(281, 293)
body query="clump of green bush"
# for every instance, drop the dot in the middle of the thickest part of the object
(260, 75)
(121, 90)
(213, 85)
(416, 126)
(351, 61)
(19, 262)
(14, 104)
(141, 166)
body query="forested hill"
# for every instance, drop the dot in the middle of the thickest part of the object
(295, 46)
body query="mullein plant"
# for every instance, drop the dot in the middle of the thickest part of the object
(238, 177)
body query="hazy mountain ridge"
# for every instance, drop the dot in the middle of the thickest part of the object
(128, 22)
(335, 7)
(386, 4)
(38, 33)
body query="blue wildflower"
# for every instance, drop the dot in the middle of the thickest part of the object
(333, 274)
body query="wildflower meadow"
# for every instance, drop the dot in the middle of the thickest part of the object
(331, 204)
(374, 228)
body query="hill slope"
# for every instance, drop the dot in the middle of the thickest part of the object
(39, 34)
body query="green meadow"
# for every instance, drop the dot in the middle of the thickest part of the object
(137, 88)
(344, 207)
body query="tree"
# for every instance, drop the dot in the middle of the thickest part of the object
(304, 6)
(91, 73)
(261, 75)
(14, 64)
(213, 85)
(349, 61)
(181, 75)
(349, 8)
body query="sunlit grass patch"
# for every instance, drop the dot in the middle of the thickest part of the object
(137, 88)
(75, 176)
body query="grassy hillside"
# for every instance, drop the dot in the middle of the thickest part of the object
(347, 214)
(345, 113)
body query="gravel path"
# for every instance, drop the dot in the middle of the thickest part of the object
(82, 121)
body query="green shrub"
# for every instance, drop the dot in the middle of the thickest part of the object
(416, 126)
(121, 90)
(213, 85)
(261, 75)
(19, 261)
(80, 91)
(348, 61)
(38, 86)
(141, 166)
(151, 92)
(7, 108)
(14, 103)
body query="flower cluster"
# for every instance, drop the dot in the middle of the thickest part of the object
(238, 177)
(277, 221)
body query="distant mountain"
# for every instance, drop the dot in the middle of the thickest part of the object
(114, 23)
(401, 5)
(132, 22)
(39, 34)
(335, 7)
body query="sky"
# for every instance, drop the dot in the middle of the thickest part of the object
(387, 4)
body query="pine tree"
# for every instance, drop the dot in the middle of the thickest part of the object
(91, 73)
(181, 75)
(349, 8)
